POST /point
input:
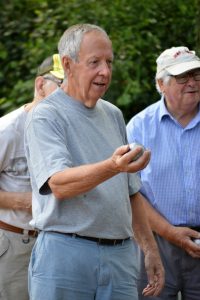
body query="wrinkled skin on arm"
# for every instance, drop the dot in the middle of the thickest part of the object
(16, 201)
(74, 181)
(145, 238)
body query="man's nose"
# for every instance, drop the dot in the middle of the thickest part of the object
(191, 79)
(105, 69)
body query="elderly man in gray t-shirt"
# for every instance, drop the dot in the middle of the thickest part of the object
(85, 189)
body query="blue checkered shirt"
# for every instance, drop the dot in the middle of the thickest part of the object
(171, 181)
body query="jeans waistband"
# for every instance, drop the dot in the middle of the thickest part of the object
(99, 241)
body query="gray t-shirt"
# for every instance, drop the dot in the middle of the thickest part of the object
(62, 133)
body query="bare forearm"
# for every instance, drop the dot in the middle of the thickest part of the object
(157, 222)
(145, 238)
(141, 227)
(15, 200)
(179, 236)
(74, 181)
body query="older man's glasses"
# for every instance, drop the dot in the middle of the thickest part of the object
(183, 78)
(54, 79)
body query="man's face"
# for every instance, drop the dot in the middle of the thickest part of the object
(182, 96)
(89, 78)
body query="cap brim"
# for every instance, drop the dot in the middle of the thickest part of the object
(58, 74)
(183, 67)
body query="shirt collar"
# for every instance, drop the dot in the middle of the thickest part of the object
(163, 109)
(164, 112)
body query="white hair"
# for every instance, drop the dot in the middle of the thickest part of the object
(71, 39)
(164, 76)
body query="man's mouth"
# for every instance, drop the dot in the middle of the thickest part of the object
(191, 92)
(99, 83)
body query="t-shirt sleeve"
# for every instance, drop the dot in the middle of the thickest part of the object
(134, 183)
(46, 149)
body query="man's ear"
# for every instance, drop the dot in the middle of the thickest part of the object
(39, 86)
(160, 84)
(67, 64)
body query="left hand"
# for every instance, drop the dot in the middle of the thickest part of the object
(155, 273)
(183, 238)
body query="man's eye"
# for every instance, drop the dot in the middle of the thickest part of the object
(109, 62)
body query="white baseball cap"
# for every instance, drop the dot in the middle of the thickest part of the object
(177, 60)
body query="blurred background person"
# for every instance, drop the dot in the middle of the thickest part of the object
(16, 235)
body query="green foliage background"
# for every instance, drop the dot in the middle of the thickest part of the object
(140, 31)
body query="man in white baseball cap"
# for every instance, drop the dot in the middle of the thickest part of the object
(170, 128)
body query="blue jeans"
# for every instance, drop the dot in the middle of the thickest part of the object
(70, 268)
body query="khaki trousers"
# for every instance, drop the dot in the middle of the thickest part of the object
(15, 251)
